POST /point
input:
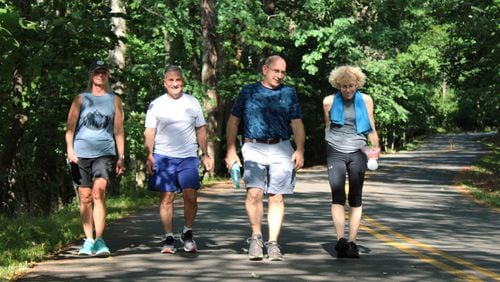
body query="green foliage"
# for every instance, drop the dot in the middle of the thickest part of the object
(473, 59)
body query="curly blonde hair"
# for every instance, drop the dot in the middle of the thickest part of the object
(345, 75)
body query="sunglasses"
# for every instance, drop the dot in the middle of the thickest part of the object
(100, 72)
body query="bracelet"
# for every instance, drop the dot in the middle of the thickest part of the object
(121, 157)
(205, 155)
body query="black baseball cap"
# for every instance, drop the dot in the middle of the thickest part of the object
(98, 64)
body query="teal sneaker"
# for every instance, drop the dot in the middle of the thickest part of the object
(100, 248)
(87, 247)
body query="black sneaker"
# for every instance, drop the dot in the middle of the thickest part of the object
(168, 245)
(352, 251)
(189, 243)
(341, 248)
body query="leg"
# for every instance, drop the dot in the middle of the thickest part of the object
(99, 213)
(336, 165)
(190, 206)
(356, 171)
(338, 217)
(85, 195)
(167, 211)
(354, 221)
(190, 209)
(255, 209)
(275, 215)
(255, 213)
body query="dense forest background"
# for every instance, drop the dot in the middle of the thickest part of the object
(432, 66)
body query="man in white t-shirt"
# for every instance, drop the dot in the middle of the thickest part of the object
(175, 131)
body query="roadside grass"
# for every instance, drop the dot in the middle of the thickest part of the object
(25, 239)
(483, 179)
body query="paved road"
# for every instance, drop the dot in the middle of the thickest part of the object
(417, 227)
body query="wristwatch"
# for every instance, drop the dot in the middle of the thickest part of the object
(121, 157)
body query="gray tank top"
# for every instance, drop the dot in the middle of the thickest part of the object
(344, 138)
(94, 135)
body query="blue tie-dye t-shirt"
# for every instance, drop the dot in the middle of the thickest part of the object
(267, 113)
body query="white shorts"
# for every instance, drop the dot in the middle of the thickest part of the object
(269, 167)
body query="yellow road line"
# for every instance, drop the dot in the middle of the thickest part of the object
(431, 249)
(422, 257)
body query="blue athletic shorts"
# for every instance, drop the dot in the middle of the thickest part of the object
(174, 174)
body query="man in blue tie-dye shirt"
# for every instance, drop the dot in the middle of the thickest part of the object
(270, 113)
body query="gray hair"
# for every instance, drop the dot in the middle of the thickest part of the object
(173, 68)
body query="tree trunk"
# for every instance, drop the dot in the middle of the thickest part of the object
(118, 58)
(16, 131)
(118, 54)
(208, 76)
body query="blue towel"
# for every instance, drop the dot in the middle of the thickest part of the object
(362, 120)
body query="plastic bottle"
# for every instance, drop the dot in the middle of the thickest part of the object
(372, 163)
(235, 175)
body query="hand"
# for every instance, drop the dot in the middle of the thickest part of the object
(298, 159)
(150, 165)
(371, 153)
(208, 163)
(230, 159)
(72, 158)
(119, 167)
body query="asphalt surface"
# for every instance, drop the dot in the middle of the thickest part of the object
(417, 226)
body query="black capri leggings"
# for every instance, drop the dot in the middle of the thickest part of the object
(340, 163)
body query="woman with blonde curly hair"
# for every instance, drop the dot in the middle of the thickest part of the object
(349, 124)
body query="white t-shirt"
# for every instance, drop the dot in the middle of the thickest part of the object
(175, 121)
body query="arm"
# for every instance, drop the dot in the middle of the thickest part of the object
(119, 133)
(149, 141)
(372, 136)
(231, 132)
(201, 137)
(327, 105)
(299, 136)
(73, 115)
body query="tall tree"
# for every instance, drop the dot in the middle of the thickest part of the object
(119, 26)
(18, 115)
(209, 77)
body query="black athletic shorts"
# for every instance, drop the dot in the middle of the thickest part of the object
(87, 169)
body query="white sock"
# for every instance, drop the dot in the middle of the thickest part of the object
(169, 234)
(186, 229)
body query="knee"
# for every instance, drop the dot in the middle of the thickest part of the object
(86, 199)
(338, 196)
(355, 200)
(98, 195)
(276, 199)
(254, 196)
(167, 200)
(189, 195)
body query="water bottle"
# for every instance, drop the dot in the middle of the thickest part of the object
(235, 175)
(372, 163)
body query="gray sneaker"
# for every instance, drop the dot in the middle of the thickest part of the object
(274, 251)
(255, 247)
